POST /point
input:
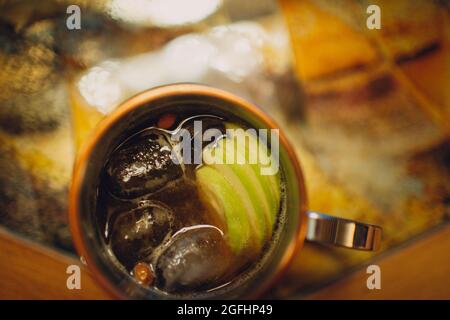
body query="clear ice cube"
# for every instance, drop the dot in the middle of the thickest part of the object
(141, 166)
(195, 258)
(135, 234)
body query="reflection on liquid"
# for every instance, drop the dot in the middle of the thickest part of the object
(225, 56)
(239, 49)
(100, 88)
(162, 12)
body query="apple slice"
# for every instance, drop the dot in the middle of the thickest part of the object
(269, 183)
(228, 204)
(238, 191)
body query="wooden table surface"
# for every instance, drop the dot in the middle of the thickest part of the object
(31, 271)
(417, 270)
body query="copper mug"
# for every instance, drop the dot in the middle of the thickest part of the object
(299, 225)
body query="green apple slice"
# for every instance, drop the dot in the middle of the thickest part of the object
(224, 198)
(269, 183)
(244, 193)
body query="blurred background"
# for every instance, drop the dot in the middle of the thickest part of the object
(367, 110)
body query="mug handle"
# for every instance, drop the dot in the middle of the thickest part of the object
(342, 232)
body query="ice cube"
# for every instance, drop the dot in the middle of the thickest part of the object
(142, 165)
(196, 258)
(195, 133)
(135, 234)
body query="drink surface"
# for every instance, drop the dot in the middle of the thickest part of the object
(185, 205)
